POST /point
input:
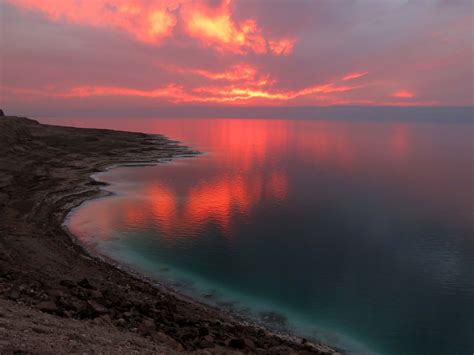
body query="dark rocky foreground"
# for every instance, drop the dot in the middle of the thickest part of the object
(54, 297)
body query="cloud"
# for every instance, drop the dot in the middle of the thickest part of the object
(355, 75)
(234, 93)
(237, 72)
(213, 26)
(152, 21)
(403, 94)
(147, 22)
(282, 46)
(91, 52)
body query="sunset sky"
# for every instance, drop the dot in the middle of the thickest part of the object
(59, 54)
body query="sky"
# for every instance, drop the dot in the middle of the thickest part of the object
(59, 55)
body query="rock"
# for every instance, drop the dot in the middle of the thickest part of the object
(204, 344)
(187, 333)
(104, 320)
(55, 293)
(146, 327)
(111, 297)
(160, 337)
(1, 113)
(96, 294)
(322, 349)
(67, 303)
(209, 338)
(97, 309)
(121, 322)
(14, 295)
(274, 318)
(67, 283)
(182, 321)
(240, 343)
(145, 308)
(47, 306)
(68, 314)
(202, 352)
(207, 342)
(84, 283)
(83, 310)
(203, 331)
(274, 342)
(80, 293)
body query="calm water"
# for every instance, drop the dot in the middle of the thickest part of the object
(358, 233)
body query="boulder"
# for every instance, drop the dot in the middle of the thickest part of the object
(47, 306)
(162, 338)
(97, 309)
(187, 334)
(84, 283)
(146, 327)
(203, 331)
(67, 283)
(121, 322)
(239, 343)
(14, 295)
(207, 342)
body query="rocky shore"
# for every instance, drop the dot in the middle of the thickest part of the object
(55, 297)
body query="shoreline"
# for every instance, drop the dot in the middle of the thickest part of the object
(44, 267)
(282, 332)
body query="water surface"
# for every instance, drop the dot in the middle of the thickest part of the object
(358, 233)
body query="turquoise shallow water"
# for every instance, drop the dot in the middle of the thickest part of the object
(358, 233)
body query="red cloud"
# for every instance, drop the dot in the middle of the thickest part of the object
(282, 46)
(235, 93)
(355, 75)
(403, 94)
(213, 26)
(146, 22)
(237, 72)
(151, 21)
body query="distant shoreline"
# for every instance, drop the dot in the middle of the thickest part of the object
(446, 114)
(50, 283)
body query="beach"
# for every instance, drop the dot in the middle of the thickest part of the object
(56, 297)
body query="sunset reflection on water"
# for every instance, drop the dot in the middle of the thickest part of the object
(246, 161)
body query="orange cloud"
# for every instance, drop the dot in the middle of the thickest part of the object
(355, 75)
(151, 21)
(169, 91)
(323, 89)
(251, 92)
(236, 72)
(177, 94)
(213, 26)
(403, 94)
(282, 46)
(239, 93)
(148, 22)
